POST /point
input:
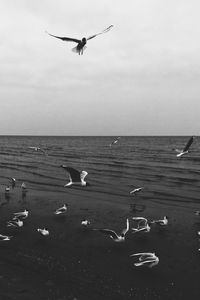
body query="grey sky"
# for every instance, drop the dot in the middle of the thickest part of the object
(141, 78)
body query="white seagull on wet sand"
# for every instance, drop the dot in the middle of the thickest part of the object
(15, 223)
(7, 189)
(186, 149)
(162, 222)
(136, 191)
(142, 225)
(81, 44)
(4, 238)
(61, 210)
(22, 214)
(43, 231)
(113, 235)
(147, 259)
(75, 177)
(85, 223)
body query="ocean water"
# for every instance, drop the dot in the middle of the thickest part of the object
(149, 162)
(73, 263)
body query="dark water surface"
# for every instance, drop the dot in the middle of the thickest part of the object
(72, 263)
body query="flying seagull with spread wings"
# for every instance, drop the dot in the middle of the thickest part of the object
(75, 177)
(81, 44)
(186, 149)
(113, 235)
(147, 259)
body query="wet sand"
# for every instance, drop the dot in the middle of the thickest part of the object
(73, 263)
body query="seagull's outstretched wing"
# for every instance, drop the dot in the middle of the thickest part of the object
(66, 39)
(124, 231)
(74, 174)
(189, 143)
(109, 232)
(104, 31)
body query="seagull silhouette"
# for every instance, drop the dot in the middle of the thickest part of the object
(75, 177)
(113, 235)
(81, 44)
(186, 149)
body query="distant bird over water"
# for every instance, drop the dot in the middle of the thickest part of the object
(38, 149)
(147, 259)
(115, 141)
(186, 149)
(113, 235)
(136, 191)
(81, 44)
(15, 223)
(75, 177)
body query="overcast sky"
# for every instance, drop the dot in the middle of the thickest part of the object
(140, 78)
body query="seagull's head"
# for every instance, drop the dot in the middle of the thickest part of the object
(84, 40)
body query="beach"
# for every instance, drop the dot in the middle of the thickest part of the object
(78, 263)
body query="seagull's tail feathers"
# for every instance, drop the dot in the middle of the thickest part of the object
(79, 51)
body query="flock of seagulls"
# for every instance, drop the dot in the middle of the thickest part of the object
(141, 224)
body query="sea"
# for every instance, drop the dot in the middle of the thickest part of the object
(148, 162)
(76, 263)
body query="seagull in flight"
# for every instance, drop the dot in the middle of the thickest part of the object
(22, 214)
(147, 259)
(61, 210)
(162, 222)
(115, 141)
(75, 177)
(142, 225)
(81, 44)
(4, 238)
(43, 231)
(136, 191)
(113, 235)
(38, 149)
(186, 149)
(15, 223)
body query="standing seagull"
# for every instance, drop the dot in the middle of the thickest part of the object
(147, 259)
(162, 222)
(75, 177)
(81, 43)
(113, 235)
(43, 232)
(13, 182)
(186, 149)
(115, 141)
